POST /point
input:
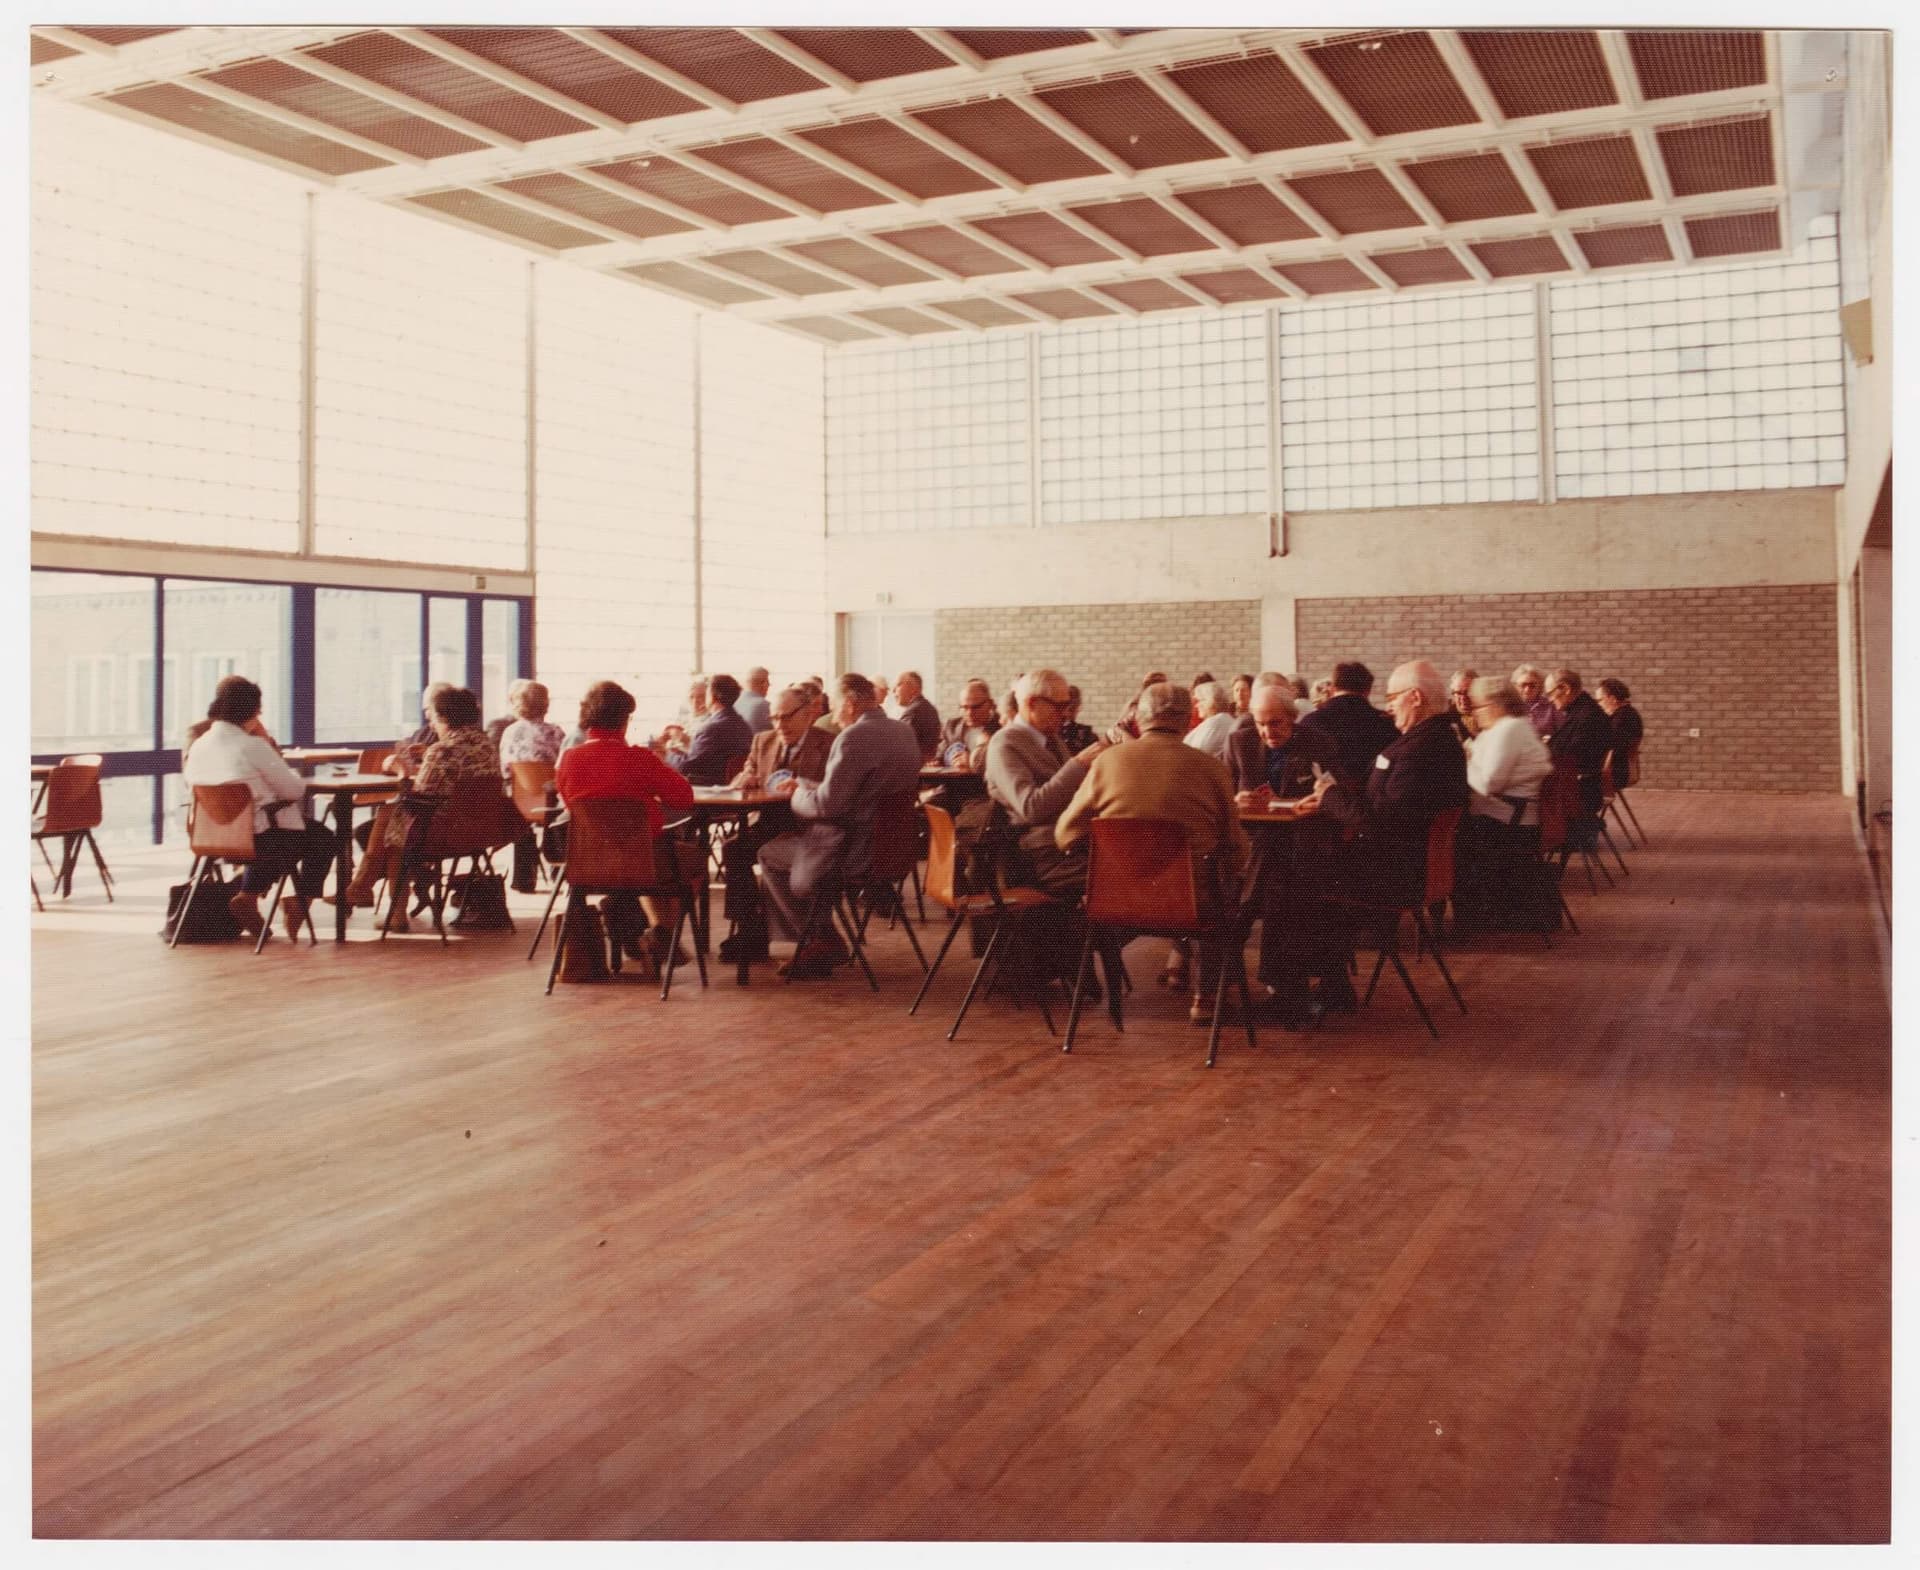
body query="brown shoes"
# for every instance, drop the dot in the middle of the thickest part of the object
(245, 909)
(293, 911)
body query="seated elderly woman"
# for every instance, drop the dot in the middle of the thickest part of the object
(607, 767)
(1505, 769)
(462, 751)
(1214, 704)
(1628, 727)
(528, 738)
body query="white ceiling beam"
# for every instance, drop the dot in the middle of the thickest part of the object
(1372, 269)
(538, 209)
(1071, 134)
(1008, 302)
(1213, 232)
(845, 166)
(1301, 208)
(1280, 281)
(1107, 302)
(1183, 103)
(845, 315)
(747, 186)
(221, 144)
(1678, 240)
(1181, 286)
(1520, 166)
(406, 103)
(1570, 248)
(1091, 231)
(1648, 147)
(799, 58)
(941, 142)
(1001, 248)
(741, 281)
(1619, 59)
(949, 46)
(1410, 193)
(1324, 93)
(958, 320)
(67, 38)
(689, 295)
(1777, 120)
(914, 259)
(613, 49)
(299, 122)
(1463, 254)
(505, 76)
(825, 269)
(627, 193)
(1460, 62)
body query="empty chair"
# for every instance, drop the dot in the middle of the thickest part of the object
(220, 828)
(69, 811)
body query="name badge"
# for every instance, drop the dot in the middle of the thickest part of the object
(1381, 762)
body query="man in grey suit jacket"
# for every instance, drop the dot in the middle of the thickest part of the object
(1032, 775)
(873, 757)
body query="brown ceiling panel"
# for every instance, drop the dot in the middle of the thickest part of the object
(689, 280)
(1248, 214)
(1596, 172)
(997, 43)
(1045, 238)
(1435, 264)
(1517, 258)
(792, 174)
(1329, 277)
(775, 272)
(1147, 294)
(1009, 138)
(948, 248)
(719, 58)
(547, 56)
(395, 64)
(515, 222)
(1355, 201)
(44, 51)
(1723, 155)
(901, 320)
(1064, 305)
(1734, 234)
(1144, 224)
(868, 54)
(589, 201)
(288, 87)
(1463, 190)
(830, 328)
(1234, 284)
(1532, 73)
(1396, 81)
(1626, 245)
(195, 112)
(121, 35)
(863, 261)
(1132, 122)
(689, 188)
(899, 156)
(1260, 101)
(982, 313)
(1672, 65)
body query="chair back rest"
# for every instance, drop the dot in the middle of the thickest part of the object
(610, 845)
(1633, 764)
(1559, 805)
(1607, 787)
(373, 760)
(734, 766)
(72, 801)
(93, 759)
(220, 821)
(473, 816)
(1140, 874)
(941, 883)
(531, 782)
(1441, 834)
(896, 838)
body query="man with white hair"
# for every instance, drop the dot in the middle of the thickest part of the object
(918, 714)
(754, 706)
(1214, 703)
(1530, 681)
(1031, 774)
(1413, 780)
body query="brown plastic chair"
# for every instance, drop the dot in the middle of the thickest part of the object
(472, 820)
(896, 857)
(1565, 821)
(70, 811)
(1142, 882)
(611, 849)
(892, 851)
(532, 790)
(1006, 907)
(1441, 833)
(220, 828)
(373, 760)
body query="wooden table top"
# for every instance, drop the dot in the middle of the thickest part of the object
(722, 798)
(1277, 813)
(333, 784)
(321, 754)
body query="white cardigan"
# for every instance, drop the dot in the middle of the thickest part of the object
(1508, 759)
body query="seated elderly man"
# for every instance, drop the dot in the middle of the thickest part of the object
(1214, 704)
(1347, 729)
(1460, 696)
(1158, 777)
(793, 749)
(755, 707)
(1418, 776)
(720, 739)
(1583, 737)
(971, 728)
(1077, 736)
(1530, 681)
(1031, 774)
(917, 713)
(873, 758)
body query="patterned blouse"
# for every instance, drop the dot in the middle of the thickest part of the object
(530, 741)
(465, 754)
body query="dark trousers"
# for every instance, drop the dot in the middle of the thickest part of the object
(526, 861)
(737, 856)
(308, 850)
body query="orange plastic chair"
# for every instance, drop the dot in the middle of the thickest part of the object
(220, 828)
(69, 811)
(1142, 881)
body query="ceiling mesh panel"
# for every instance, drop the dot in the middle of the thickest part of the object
(689, 280)
(287, 87)
(901, 320)
(1234, 284)
(718, 58)
(1009, 138)
(1132, 122)
(1514, 258)
(893, 154)
(44, 51)
(1734, 233)
(1146, 294)
(763, 267)
(196, 112)
(982, 313)
(1595, 172)
(829, 328)
(589, 201)
(950, 249)
(1334, 276)
(863, 261)
(791, 174)
(1435, 264)
(997, 43)
(689, 188)
(1674, 64)
(549, 57)
(1355, 201)
(868, 54)
(503, 219)
(1532, 73)
(396, 64)
(1143, 224)
(1045, 238)
(1064, 304)
(1627, 245)
(1396, 81)
(1722, 155)
(121, 35)
(1465, 189)
(1260, 101)
(1248, 214)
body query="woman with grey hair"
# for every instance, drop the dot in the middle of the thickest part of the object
(1213, 703)
(528, 739)
(1505, 770)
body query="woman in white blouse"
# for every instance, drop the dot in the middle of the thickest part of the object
(1506, 765)
(529, 739)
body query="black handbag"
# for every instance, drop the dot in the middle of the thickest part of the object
(483, 903)
(207, 920)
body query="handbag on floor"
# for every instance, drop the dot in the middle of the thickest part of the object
(483, 903)
(583, 948)
(208, 920)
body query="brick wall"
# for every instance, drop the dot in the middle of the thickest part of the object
(1720, 659)
(1103, 649)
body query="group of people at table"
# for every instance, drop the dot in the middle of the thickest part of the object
(1210, 756)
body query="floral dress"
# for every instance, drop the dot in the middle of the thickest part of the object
(465, 754)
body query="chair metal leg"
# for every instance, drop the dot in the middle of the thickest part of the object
(919, 899)
(1413, 992)
(673, 951)
(34, 884)
(273, 906)
(1379, 964)
(1615, 849)
(1613, 811)
(100, 866)
(1621, 797)
(859, 948)
(979, 973)
(574, 902)
(200, 865)
(1080, 987)
(1440, 959)
(69, 861)
(913, 940)
(559, 878)
(1219, 998)
(953, 931)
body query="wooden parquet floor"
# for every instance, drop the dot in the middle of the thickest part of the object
(376, 1241)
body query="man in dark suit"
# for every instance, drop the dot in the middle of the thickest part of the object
(873, 757)
(722, 737)
(1419, 775)
(1584, 735)
(1267, 751)
(974, 725)
(918, 714)
(1347, 730)
(792, 746)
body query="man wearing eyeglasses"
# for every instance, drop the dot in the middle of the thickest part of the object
(972, 727)
(1348, 730)
(1584, 735)
(1032, 775)
(1416, 777)
(1460, 695)
(792, 747)
(1530, 682)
